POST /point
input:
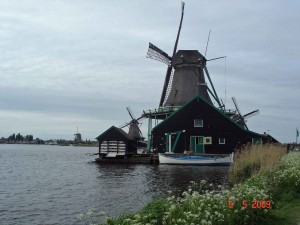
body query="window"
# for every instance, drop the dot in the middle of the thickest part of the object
(221, 141)
(207, 140)
(176, 92)
(198, 123)
(199, 140)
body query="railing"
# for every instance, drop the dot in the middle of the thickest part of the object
(163, 109)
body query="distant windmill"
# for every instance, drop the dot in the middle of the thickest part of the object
(77, 136)
(239, 118)
(185, 74)
(134, 126)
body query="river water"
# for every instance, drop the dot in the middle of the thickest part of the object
(42, 184)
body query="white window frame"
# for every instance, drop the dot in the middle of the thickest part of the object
(208, 143)
(222, 143)
(198, 125)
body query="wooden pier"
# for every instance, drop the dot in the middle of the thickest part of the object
(130, 159)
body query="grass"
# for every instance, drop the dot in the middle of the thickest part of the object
(288, 213)
(254, 160)
(152, 212)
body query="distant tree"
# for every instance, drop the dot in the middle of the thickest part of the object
(19, 137)
(29, 137)
(12, 137)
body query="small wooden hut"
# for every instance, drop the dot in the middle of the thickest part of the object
(114, 142)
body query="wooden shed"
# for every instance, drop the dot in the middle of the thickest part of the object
(115, 142)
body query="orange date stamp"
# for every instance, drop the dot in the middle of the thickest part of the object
(255, 204)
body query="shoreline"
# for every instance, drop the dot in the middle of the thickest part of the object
(274, 186)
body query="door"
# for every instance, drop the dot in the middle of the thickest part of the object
(169, 143)
(172, 141)
(197, 144)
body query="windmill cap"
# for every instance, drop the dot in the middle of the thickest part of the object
(188, 57)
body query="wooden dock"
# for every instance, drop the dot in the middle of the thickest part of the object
(130, 159)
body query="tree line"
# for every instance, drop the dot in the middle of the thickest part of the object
(18, 138)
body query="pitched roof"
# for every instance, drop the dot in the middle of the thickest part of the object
(212, 107)
(119, 130)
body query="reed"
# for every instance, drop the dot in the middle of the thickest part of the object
(253, 160)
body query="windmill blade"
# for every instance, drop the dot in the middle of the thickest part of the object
(236, 106)
(141, 117)
(241, 118)
(207, 43)
(140, 132)
(169, 87)
(169, 70)
(216, 58)
(250, 114)
(158, 54)
(244, 122)
(164, 91)
(125, 125)
(179, 29)
(130, 113)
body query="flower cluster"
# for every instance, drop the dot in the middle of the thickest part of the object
(287, 177)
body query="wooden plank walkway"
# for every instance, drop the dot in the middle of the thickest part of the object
(132, 159)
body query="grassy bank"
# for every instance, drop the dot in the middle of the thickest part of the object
(264, 181)
(288, 213)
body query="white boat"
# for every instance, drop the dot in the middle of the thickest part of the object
(199, 160)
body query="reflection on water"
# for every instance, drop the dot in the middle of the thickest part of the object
(179, 177)
(132, 186)
(53, 184)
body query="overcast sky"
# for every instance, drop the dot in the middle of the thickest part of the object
(72, 63)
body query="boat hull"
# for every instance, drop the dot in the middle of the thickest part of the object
(198, 160)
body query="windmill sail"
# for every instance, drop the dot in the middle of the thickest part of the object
(134, 129)
(164, 91)
(158, 54)
(179, 29)
(239, 118)
(169, 71)
(250, 114)
(185, 76)
(169, 88)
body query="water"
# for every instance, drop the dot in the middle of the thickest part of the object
(42, 184)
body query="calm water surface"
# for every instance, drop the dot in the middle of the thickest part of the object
(42, 184)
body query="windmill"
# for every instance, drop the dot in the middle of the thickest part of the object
(134, 126)
(185, 74)
(239, 118)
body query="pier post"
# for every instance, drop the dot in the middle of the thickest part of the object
(149, 134)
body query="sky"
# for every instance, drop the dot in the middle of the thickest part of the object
(74, 63)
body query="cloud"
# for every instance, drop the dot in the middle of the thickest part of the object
(80, 63)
